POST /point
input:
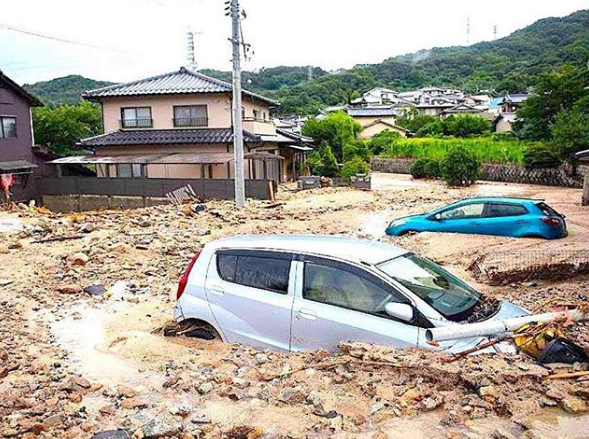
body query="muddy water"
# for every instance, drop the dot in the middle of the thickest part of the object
(554, 423)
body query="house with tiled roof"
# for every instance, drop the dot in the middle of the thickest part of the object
(179, 125)
(17, 161)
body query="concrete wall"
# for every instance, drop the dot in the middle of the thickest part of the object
(494, 172)
(83, 203)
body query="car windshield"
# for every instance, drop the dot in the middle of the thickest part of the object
(447, 294)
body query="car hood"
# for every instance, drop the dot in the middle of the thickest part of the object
(506, 310)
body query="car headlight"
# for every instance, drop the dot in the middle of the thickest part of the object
(397, 222)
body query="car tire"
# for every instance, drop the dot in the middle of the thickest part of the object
(198, 329)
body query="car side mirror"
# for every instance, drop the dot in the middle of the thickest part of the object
(401, 311)
(436, 217)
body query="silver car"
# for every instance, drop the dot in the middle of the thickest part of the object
(312, 292)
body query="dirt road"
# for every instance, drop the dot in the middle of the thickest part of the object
(75, 364)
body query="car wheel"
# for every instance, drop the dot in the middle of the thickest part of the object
(194, 328)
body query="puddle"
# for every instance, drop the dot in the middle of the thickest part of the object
(95, 355)
(10, 225)
(554, 423)
(375, 224)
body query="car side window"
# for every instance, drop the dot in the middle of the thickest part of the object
(502, 209)
(474, 210)
(256, 271)
(347, 287)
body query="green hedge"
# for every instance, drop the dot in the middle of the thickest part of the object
(486, 149)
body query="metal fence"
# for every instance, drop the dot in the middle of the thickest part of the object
(151, 187)
(509, 267)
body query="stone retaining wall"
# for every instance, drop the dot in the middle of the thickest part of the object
(494, 172)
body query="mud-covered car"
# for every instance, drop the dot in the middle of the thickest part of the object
(312, 292)
(516, 217)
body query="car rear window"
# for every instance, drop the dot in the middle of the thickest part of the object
(256, 271)
(504, 209)
(547, 210)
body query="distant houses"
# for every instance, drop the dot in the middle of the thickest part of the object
(379, 109)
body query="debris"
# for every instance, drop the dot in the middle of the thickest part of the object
(564, 376)
(57, 239)
(112, 434)
(70, 289)
(163, 426)
(95, 290)
(78, 259)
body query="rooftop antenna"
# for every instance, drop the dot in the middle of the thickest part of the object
(468, 31)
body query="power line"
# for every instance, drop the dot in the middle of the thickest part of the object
(62, 40)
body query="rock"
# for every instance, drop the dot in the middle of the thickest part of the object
(502, 433)
(183, 409)
(54, 421)
(261, 359)
(572, 404)
(488, 391)
(205, 388)
(315, 399)
(126, 392)
(134, 403)
(432, 403)
(198, 208)
(14, 245)
(108, 410)
(87, 228)
(172, 381)
(164, 426)
(95, 290)
(77, 383)
(291, 395)
(70, 289)
(112, 434)
(78, 259)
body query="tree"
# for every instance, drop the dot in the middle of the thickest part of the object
(382, 141)
(60, 128)
(336, 130)
(466, 125)
(570, 133)
(554, 92)
(322, 161)
(354, 166)
(460, 167)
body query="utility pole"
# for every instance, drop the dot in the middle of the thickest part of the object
(468, 31)
(495, 32)
(237, 116)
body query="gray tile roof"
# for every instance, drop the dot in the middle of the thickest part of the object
(168, 137)
(368, 112)
(183, 81)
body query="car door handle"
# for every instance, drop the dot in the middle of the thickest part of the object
(217, 290)
(306, 314)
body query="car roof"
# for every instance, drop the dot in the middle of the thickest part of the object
(340, 247)
(495, 200)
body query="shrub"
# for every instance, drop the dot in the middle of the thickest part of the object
(541, 155)
(432, 169)
(354, 166)
(417, 169)
(357, 148)
(383, 140)
(322, 161)
(460, 167)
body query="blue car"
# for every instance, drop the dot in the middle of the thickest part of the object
(488, 216)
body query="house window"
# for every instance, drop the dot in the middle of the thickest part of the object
(136, 117)
(264, 115)
(256, 114)
(130, 170)
(7, 127)
(191, 116)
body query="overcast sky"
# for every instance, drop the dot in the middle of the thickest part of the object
(148, 37)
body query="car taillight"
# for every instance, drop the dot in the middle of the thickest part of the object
(184, 278)
(551, 221)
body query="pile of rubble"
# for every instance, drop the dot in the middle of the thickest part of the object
(56, 266)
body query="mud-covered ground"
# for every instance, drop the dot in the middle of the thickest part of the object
(75, 364)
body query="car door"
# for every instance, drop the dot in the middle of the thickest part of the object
(465, 218)
(506, 219)
(337, 302)
(250, 297)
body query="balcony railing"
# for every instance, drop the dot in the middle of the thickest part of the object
(185, 122)
(136, 123)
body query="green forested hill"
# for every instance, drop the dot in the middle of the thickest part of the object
(66, 90)
(510, 64)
